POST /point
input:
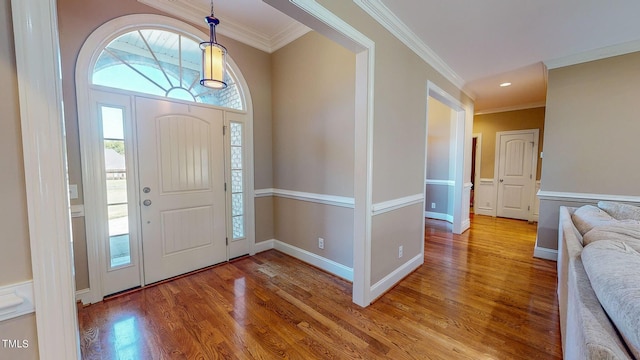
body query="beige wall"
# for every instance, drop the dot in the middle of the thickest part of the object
(440, 119)
(591, 134)
(489, 124)
(592, 127)
(313, 116)
(77, 20)
(15, 257)
(400, 102)
(313, 143)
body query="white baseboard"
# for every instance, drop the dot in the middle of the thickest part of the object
(16, 300)
(318, 261)
(264, 246)
(466, 225)
(484, 211)
(84, 296)
(389, 281)
(438, 216)
(544, 253)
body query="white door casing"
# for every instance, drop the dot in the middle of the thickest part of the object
(118, 278)
(181, 170)
(87, 58)
(516, 155)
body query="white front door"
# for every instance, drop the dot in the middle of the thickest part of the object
(515, 174)
(181, 184)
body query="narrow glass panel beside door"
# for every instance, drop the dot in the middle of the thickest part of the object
(116, 185)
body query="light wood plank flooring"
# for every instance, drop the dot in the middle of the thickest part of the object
(480, 295)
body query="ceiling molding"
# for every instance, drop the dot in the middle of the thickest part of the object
(512, 108)
(381, 13)
(593, 55)
(287, 35)
(186, 10)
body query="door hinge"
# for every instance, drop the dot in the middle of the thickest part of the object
(530, 176)
(529, 208)
(224, 129)
(225, 187)
(226, 240)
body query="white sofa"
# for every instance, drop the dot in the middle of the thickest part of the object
(588, 330)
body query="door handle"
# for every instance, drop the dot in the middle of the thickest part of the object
(146, 202)
(501, 180)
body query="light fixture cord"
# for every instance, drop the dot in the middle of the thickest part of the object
(212, 28)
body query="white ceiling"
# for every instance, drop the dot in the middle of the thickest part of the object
(478, 44)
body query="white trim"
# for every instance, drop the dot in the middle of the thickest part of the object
(77, 211)
(318, 261)
(544, 253)
(378, 289)
(535, 214)
(592, 55)
(534, 168)
(484, 192)
(16, 300)
(467, 185)
(440, 182)
(325, 22)
(580, 197)
(512, 108)
(37, 53)
(263, 192)
(264, 245)
(334, 200)
(438, 216)
(189, 11)
(381, 13)
(84, 296)
(395, 204)
(459, 142)
(87, 57)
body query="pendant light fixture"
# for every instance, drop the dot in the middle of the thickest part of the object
(214, 57)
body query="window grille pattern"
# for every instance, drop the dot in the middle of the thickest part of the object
(237, 185)
(162, 63)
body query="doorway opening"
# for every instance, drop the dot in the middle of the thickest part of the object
(444, 179)
(186, 154)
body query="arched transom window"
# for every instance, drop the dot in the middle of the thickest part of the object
(163, 63)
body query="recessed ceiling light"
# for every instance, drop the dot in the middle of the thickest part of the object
(505, 84)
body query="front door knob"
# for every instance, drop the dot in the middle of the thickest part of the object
(146, 202)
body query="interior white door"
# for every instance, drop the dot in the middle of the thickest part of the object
(181, 172)
(516, 173)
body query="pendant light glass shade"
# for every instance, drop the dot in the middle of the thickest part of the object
(214, 58)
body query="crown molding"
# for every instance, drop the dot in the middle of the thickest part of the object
(381, 13)
(512, 108)
(186, 10)
(593, 55)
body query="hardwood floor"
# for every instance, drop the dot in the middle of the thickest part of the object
(480, 295)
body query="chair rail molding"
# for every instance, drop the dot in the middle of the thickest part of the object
(16, 300)
(395, 204)
(574, 196)
(342, 201)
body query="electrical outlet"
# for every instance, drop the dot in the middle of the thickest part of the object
(433, 205)
(400, 251)
(321, 243)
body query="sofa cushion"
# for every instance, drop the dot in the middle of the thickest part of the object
(613, 270)
(624, 231)
(620, 211)
(587, 217)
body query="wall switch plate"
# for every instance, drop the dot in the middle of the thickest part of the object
(433, 205)
(321, 243)
(400, 249)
